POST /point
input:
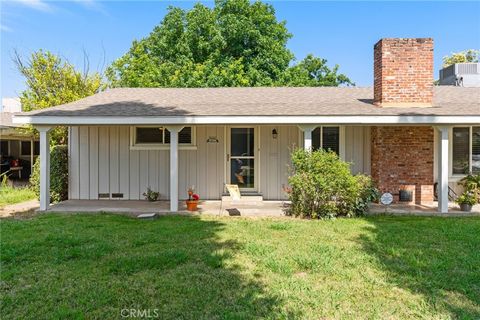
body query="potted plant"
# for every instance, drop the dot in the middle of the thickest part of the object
(466, 200)
(471, 183)
(192, 201)
(151, 195)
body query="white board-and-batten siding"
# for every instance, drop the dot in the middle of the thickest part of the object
(357, 148)
(102, 162)
(274, 159)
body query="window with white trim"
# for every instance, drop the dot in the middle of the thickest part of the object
(465, 150)
(159, 137)
(327, 138)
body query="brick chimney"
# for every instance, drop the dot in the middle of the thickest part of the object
(403, 72)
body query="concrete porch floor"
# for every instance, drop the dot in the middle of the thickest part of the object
(258, 209)
(421, 210)
(136, 207)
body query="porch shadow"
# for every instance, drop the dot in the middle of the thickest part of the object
(99, 265)
(435, 258)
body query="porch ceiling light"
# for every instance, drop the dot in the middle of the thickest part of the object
(274, 134)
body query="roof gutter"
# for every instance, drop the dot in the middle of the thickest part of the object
(340, 119)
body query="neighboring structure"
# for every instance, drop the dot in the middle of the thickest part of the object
(404, 132)
(14, 144)
(461, 74)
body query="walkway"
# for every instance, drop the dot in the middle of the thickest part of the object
(19, 208)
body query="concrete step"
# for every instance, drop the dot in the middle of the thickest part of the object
(243, 199)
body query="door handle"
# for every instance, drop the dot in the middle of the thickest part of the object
(228, 157)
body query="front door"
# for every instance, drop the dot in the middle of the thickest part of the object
(241, 157)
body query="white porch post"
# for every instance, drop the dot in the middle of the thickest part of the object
(307, 135)
(44, 167)
(443, 167)
(174, 130)
(31, 155)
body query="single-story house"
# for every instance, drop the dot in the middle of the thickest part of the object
(16, 147)
(404, 132)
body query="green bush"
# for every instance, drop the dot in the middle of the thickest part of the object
(321, 186)
(58, 174)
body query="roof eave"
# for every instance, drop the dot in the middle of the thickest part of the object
(282, 119)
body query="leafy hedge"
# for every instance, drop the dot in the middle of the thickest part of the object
(322, 186)
(58, 174)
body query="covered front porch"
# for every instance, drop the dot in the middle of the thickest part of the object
(266, 139)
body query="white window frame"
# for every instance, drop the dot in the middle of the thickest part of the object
(458, 176)
(160, 146)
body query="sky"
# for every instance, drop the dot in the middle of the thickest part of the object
(341, 32)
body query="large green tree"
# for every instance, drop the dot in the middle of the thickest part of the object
(235, 43)
(51, 81)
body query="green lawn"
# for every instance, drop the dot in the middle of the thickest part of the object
(93, 266)
(10, 195)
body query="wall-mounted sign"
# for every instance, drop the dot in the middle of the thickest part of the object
(212, 140)
(386, 198)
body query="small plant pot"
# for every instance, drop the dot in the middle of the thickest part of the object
(466, 207)
(191, 205)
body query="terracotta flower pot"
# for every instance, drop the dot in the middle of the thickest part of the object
(192, 205)
(15, 163)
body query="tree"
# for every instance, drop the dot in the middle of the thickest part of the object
(235, 43)
(470, 55)
(51, 81)
(313, 72)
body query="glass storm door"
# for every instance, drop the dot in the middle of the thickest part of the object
(241, 157)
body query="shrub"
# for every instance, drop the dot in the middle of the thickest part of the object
(151, 195)
(58, 174)
(322, 186)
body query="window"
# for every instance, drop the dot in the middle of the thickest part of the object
(149, 135)
(465, 150)
(159, 137)
(184, 136)
(25, 148)
(4, 148)
(327, 138)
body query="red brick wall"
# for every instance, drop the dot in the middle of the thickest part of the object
(403, 157)
(403, 72)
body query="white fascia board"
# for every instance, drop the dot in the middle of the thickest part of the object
(359, 119)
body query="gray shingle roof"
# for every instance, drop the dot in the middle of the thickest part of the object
(263, 101)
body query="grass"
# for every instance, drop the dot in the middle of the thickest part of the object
(11, 195)
(177, 267)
